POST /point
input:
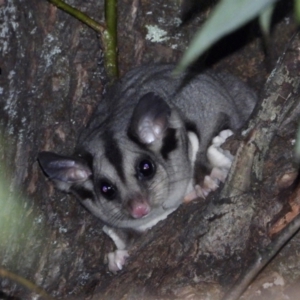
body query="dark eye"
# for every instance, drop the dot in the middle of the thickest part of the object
(108, 190)
(145, 169)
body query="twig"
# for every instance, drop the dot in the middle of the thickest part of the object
(110, 38)
(26, 283)
(108, 33)
(79, 15)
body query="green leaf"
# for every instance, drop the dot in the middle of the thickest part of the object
(226, 17)
(297, 146)
(265, 19)
(297, 10)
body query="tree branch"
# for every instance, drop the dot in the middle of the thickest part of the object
(108, 32)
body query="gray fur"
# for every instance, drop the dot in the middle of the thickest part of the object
(117, 137)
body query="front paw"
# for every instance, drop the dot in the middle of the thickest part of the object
(220, 161)
(218, 157)
(116, 260)
(208, 185)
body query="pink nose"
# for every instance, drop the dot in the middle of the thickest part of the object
(140, 210)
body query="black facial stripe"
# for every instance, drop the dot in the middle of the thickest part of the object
(134, 139)
(169, 143)
(82, 193)
(189, 126)
(114, 154)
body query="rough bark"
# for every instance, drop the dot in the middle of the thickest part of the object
(51, 79)
(208, 244)
(49, 86)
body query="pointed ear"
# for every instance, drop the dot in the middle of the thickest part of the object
(63, 170)
(150, 119)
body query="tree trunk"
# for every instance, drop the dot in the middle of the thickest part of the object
(51, 79)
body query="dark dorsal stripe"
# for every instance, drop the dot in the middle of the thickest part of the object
(113, 153)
